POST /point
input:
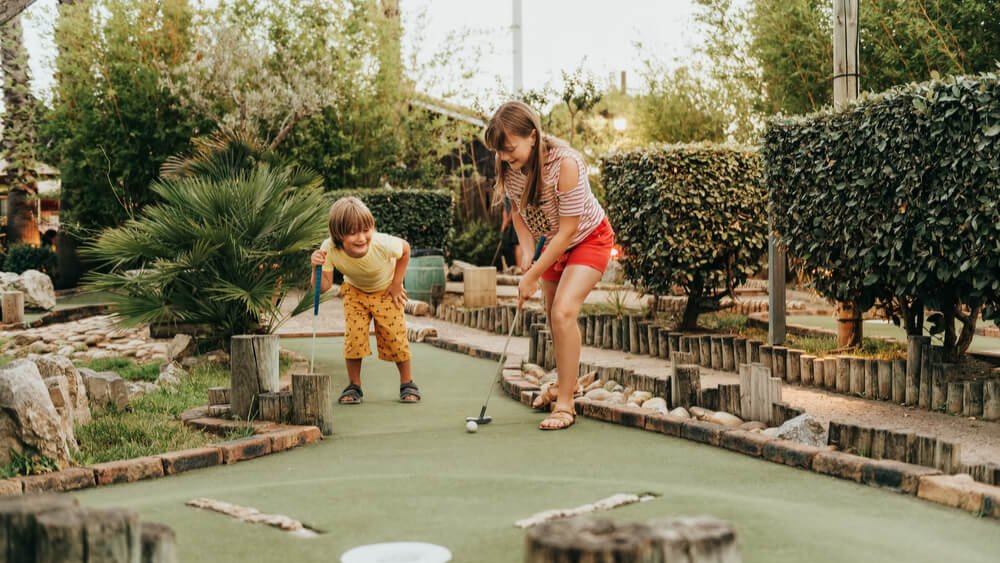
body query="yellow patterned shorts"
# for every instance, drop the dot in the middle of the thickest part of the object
(390, 325)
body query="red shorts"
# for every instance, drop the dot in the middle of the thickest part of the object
(593, 251)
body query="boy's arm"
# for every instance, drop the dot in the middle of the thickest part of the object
(396, 287)
(317, 259)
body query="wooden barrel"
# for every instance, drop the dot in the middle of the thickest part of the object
(425, 276)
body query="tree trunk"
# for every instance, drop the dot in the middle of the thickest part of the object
(689, 321)
(849, 332)
(18, 141)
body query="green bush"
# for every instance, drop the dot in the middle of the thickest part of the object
(688, 215)
(21, 257)
(896, 199)
(227, 244)
(476, 244)
(421, 217)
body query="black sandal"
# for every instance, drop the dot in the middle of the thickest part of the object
(351, 395)
(409, 389)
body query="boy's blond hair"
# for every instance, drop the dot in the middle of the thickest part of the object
(349, 215)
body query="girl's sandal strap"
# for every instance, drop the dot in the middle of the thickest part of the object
(563, 419)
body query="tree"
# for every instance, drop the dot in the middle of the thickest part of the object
(579, 94)
(680, 107)
(18, 142)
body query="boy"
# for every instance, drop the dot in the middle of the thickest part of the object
(373, 265)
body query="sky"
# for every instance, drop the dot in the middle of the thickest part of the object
(598, 36)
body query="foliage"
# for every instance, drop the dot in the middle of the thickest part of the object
(112, 125)
(27, 463)
(681, 107)
(21, 257)
(476, 243)
(906, 209)
(151, 425)
(421, 217)
(690, 215)
(223, 248)
(778, 52)
(127, 369)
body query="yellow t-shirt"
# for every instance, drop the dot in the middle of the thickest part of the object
(372, 272)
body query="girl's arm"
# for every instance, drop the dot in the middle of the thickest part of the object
(524, 238)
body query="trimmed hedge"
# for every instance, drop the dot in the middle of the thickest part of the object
(421, 217)
(896, 196)
(688, 215)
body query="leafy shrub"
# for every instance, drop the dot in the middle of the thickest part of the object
(476, 244)
(895, 199)
(421, 217)
(688, 215)
(27, 463)
(21, 257)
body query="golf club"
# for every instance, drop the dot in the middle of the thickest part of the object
(482, 418)
(312, 355)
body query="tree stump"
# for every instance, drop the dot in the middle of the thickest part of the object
(685, 385)
(59, 537)
(253, 370)
(159, 544)
(793, 363)
(17, 522)
(806, 369)
(700, 539)
(13, 307)
(112, 536)
(276, 407)
(312, 401)
(991, 400)
(218, 396)
(884, 380)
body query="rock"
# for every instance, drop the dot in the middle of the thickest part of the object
(640, 396)
(39, 347)
(804, 429)
(680, 412)
(37, 288)
(55, 365)
(93, 339)
(657, 404)
(611, 384)
(28, 419)
(600, 394)
(616, 398)
(753, 425)
(773, 432)
(726, 419)
(105, 388)
(170, 375)
(217, 357)
(457, 270)
(700, 413)
(136, 389)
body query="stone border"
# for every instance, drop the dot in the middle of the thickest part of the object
(959, 491)
(275, 438)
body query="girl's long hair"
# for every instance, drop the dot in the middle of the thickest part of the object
(518, 119)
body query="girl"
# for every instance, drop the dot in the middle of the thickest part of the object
(546, 182)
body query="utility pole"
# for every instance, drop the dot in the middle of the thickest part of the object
(518, 48)
(845, 88)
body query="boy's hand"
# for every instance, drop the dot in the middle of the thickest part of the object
(398, 294)
(318, 258)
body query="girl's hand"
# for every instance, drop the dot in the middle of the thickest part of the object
(398, 294)
(526, 289)
(318, 258)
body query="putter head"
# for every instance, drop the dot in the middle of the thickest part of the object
(480, 420)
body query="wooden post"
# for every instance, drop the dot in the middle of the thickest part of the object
(972, 400)
(276, 407)
(218, 396)
(587, 539)
(13, 307)
(899, 381)
(956, 393)
(59, 537)
(112, 535)
(480, 286)
(779, 362)
(312, 401)
(253, 369)
(927, 360)
(705, 350)
(685, 385)
(18, 516)
(843, 383)
(792, 363)
(775, 291)
(740, 352)
(883, 380)
(831, 366)
(939, 388)
(856, 381)
(159, 543)
(991, 400)
(871, 379)
(766, 358)
(806, 369)
(715, 351)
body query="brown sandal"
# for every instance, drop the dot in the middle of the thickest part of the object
(563, 419)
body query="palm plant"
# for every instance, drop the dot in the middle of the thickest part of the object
(234, 226)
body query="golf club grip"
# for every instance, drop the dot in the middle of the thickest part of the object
(319, 281)
(538, 248)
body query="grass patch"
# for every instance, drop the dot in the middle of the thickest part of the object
(27, 463)
(150, 424)
(126, 368)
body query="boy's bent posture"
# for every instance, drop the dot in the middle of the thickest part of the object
(373, 265)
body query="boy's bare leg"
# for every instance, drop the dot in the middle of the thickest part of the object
(354, 371)
(404, 372)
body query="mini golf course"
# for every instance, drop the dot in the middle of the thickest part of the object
(394, 472)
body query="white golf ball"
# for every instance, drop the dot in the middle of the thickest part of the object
(471, 426)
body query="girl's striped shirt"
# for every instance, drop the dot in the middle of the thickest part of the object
(577, 202)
